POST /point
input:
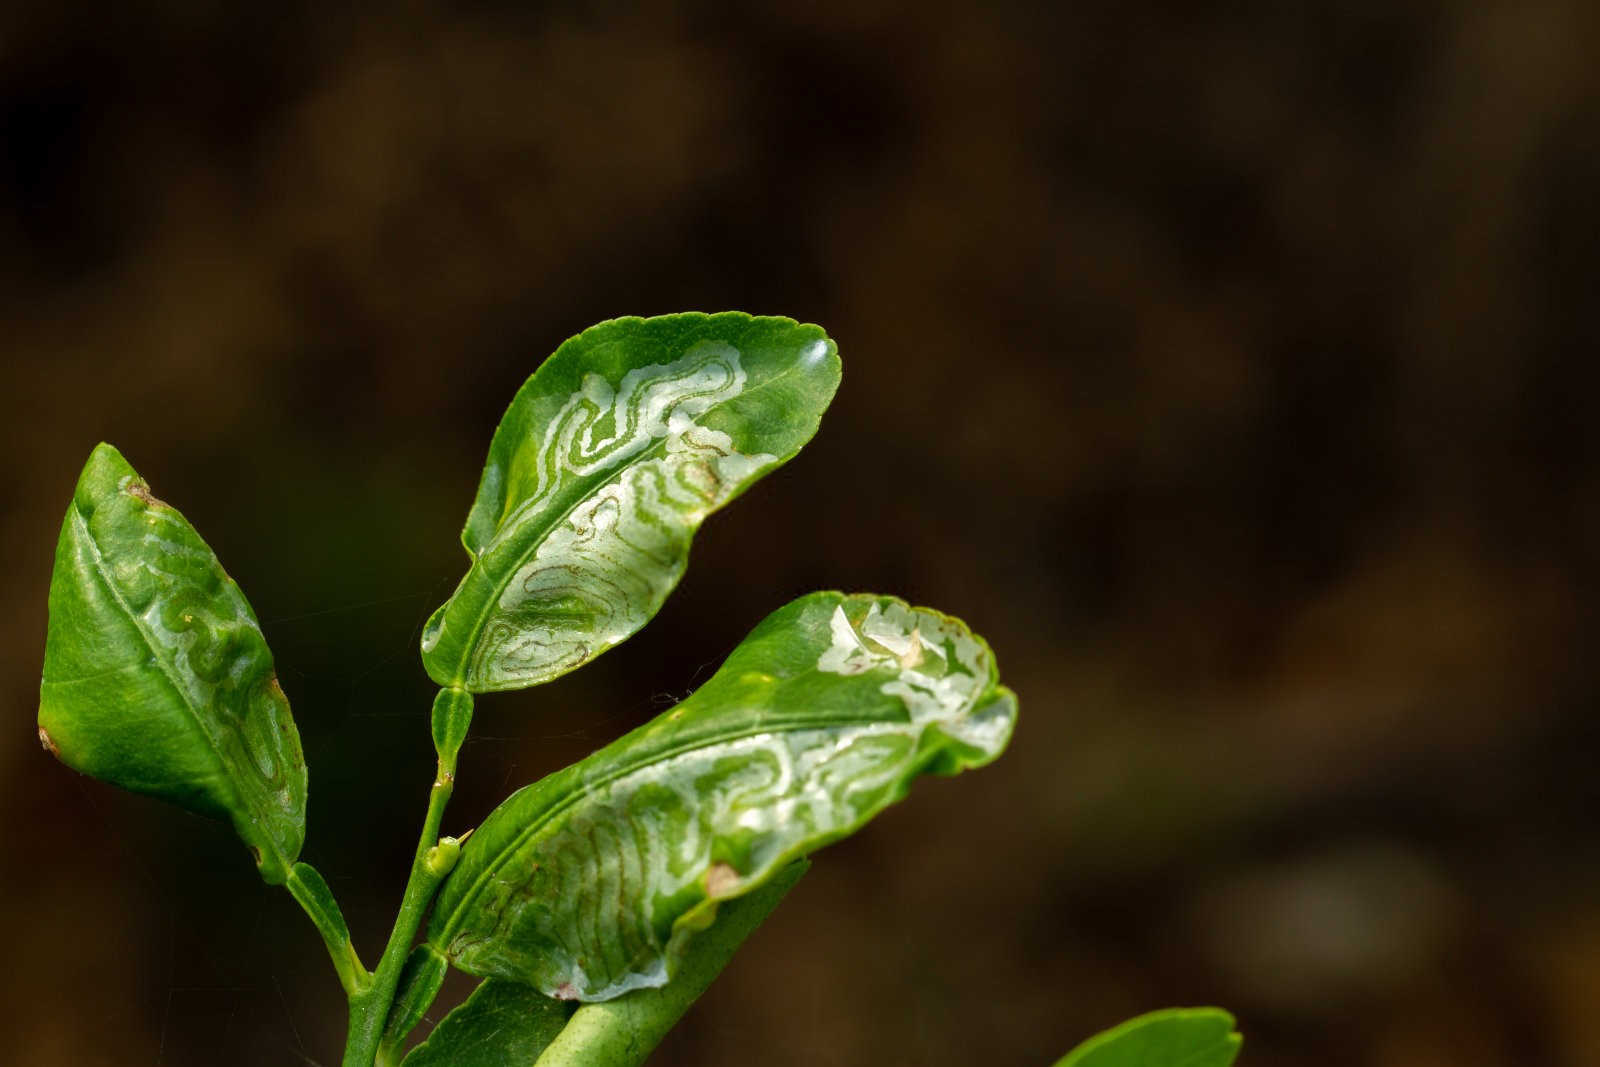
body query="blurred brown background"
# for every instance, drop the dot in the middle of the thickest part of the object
(1223, 368)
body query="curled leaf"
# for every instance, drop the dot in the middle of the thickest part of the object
(591, 882)
(609, 458)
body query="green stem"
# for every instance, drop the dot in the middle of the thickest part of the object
(369, 1007)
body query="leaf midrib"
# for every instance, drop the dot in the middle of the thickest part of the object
(469, 646)
(155, 650)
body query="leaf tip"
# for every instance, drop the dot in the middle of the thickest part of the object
(104, 473)
(105, 453)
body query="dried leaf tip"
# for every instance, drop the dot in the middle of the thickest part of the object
(140, 491)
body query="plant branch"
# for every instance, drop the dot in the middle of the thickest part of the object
(369, 1008)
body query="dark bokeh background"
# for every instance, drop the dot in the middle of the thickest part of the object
(1224, 369)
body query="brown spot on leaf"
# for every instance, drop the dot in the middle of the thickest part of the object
(566, 991)
(721, 879)
(255, 854)
(49, 743)
(703, 478)
(141, 491)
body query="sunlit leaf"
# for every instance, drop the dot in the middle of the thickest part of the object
(1176, 1037)
(156, 676)
(609, 458)
(591, 882)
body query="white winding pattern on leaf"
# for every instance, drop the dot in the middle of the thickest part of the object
(595, 898)
(602, 570)
(919, 647)
(205, 641)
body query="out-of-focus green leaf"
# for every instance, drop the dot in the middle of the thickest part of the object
(1176, 1037)
(609, 458)
(156, 676)
(502, 1024)
(590, 883)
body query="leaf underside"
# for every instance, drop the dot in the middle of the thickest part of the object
(1175, 1037)
(156, 675)
(591, 882)
(605, 464)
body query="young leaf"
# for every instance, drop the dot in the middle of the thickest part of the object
(591, 882)
(1176, 1037)
(500, 1024)
(156, 676)
(420, 979)
(609, 458)
(307, 886)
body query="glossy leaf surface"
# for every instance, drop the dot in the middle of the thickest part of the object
(500, 1025)
(590, 883)
(609, 458)
(1176, 1037)
(156, 675)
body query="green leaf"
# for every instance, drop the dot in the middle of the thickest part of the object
(505, 1022)
(1176, 1037)
(609, 458)
(420, 979)
(452, 717)
(156, 676)
(502, 1024)
(591, 882)
(307, 886)
(622, 1032)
